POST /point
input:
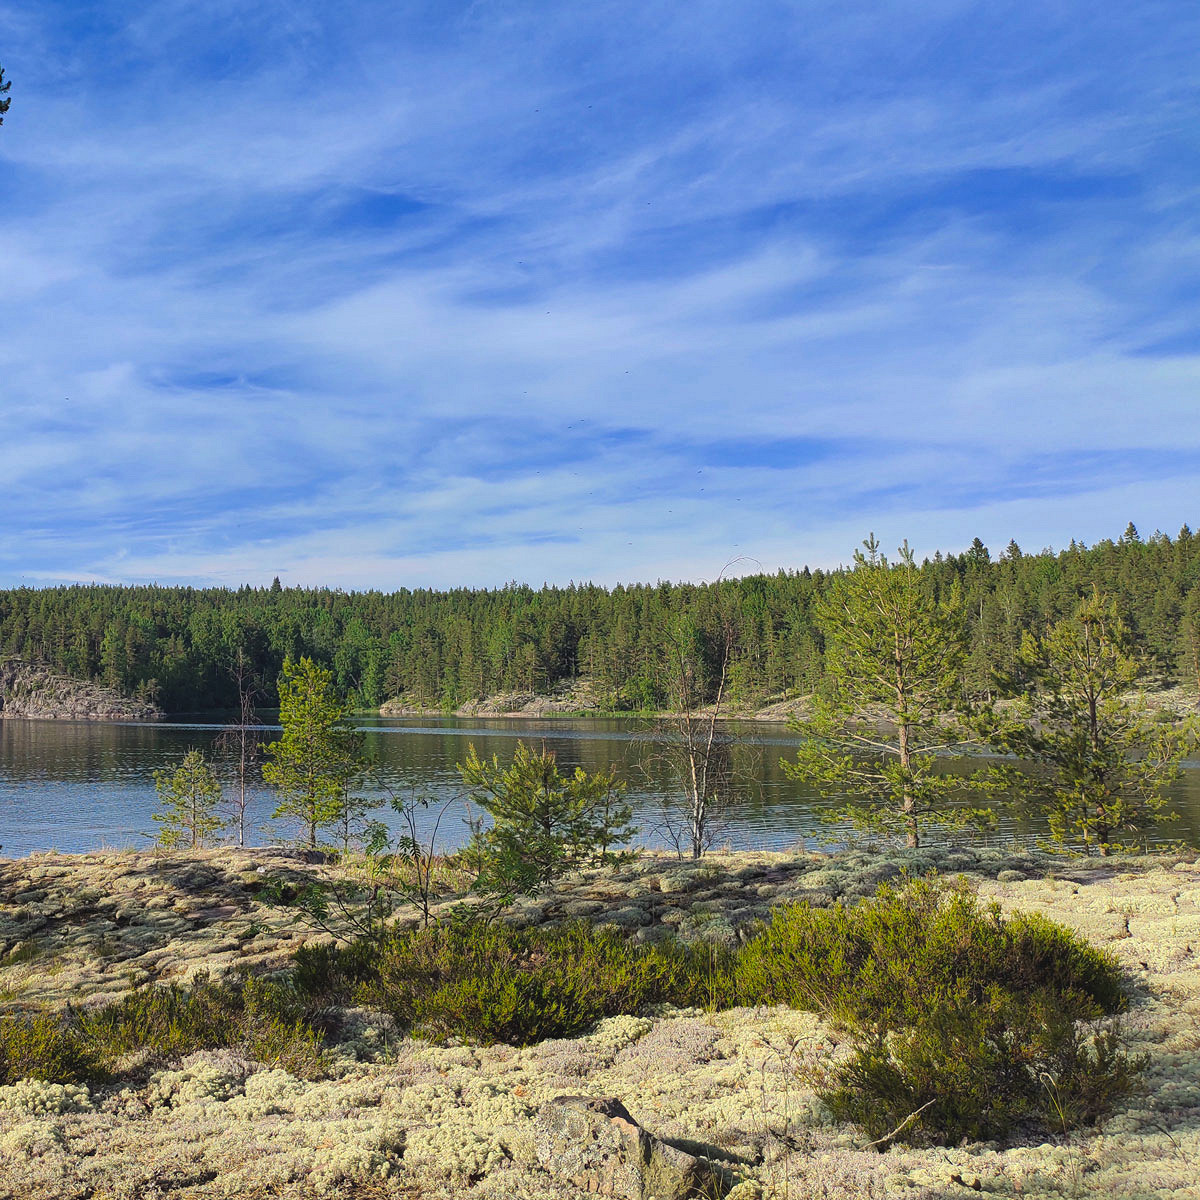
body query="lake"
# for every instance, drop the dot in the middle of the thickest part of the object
(75, 786)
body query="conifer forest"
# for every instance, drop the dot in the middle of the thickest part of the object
(175, 645)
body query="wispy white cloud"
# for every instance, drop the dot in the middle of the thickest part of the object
(366, 295)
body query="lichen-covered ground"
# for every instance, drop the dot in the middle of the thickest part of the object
(405, 1119)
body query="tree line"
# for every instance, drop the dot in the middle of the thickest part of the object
(177, 645)
(1076, 738)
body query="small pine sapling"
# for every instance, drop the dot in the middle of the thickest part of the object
(189, 797)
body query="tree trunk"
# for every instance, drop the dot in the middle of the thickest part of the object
(908, 805)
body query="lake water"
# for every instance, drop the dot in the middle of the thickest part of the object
(76, 786)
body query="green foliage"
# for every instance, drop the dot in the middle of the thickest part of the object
(451, 646)
(885, 962)
(318, 761)
(5, 101)
(491, 983)
(980, 1071)
(894, 659)
(189, 796)
(43, 1047)
(544, 823)
(967, 1024)
(358, 901)
(261, 1018)
(1102, 765)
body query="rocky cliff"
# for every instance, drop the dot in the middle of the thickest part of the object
(30, 690)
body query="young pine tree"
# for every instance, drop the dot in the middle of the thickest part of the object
(318, 761)
(894, 660)
(1102, 765)
(189, 797)
(544, 823)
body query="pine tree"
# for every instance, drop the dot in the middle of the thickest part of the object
(894, 658)
(1103, 765)
(544, 823)
(1189, 641)
(318, 761)
(189, 796)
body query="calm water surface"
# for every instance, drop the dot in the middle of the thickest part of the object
(76, 786)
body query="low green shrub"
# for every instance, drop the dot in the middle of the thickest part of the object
(968, 1024)
(885, 962)
(263, 1019)
(42, 1047)
(491, 983)
(980, 1072)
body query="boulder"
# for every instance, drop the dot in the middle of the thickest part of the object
(599, 1148)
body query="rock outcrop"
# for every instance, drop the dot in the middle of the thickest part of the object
(595, 1144)
(41, 693)
(568, 700)
(401, 1117)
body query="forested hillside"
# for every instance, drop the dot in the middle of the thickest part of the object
(175, 644)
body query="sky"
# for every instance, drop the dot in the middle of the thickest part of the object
(400, 294)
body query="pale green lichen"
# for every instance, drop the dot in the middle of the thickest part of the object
(452, 1120)
(36, 1098)
(32, 1139)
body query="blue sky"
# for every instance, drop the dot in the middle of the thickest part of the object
(404, 294)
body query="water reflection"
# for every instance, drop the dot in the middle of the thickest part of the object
(84, 785)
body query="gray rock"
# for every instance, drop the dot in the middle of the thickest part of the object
(599, 1148)
(629, 917)
(33, 690)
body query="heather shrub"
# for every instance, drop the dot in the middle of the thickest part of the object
(968, 1024)
(979, 1072)
(491, 983)
(44, 1048)
(887, 961)
(261, 1019)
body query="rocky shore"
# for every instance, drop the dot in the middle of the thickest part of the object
(578, 699)
(28, 690)
(401, 1118)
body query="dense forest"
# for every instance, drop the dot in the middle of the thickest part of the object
(175, 645)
